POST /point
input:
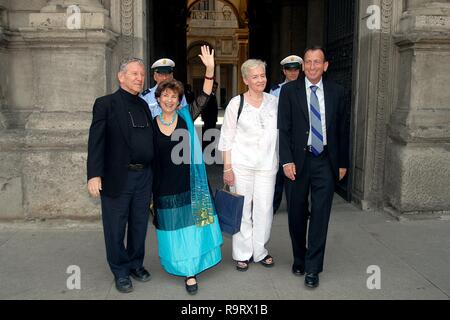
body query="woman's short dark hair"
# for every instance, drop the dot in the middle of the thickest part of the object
(172, 84)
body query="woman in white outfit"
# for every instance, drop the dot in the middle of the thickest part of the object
(249, 146)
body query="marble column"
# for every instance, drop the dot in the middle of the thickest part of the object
(418, 151)
(234, 80)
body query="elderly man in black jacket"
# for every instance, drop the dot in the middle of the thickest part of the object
(120, 153)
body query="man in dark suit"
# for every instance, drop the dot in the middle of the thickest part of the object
(120, 153)
(313, 133)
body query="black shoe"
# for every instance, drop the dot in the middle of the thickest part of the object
(191, 288)
(140, 274)
(298, 271)
(311, 280)
(124, 285)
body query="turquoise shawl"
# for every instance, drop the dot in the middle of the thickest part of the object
(201, 202)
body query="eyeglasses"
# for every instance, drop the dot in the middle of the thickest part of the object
(138, 126)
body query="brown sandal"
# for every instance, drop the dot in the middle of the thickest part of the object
(242, 265)
(267, 264)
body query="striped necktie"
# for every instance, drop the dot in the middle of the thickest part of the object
(316, 123)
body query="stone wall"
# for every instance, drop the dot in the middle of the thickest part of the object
(128, 20)
(401, 132)
(50, 76)
(4, 61)
(374, 97)
(418, 166)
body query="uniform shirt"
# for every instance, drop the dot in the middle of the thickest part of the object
(141, 130)
(275, 91)
(149, 97)
(321, 97)
(253, 139)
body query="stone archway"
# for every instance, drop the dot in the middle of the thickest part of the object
(230, 41)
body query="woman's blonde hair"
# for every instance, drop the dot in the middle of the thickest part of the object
(250, 64)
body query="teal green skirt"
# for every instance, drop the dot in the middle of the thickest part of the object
(184, 248)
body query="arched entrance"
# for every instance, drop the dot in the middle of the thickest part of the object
(167, 33)
(242, 29)
(217, 23)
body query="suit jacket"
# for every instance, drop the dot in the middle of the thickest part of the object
(109, 146)
(293, 124)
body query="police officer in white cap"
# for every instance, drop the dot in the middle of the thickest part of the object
(291, 70)
(162, 70)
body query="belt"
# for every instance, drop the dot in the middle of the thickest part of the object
(137, 167)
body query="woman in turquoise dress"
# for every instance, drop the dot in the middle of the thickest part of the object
(187, 227)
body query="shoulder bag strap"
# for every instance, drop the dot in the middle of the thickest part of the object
(241, 105)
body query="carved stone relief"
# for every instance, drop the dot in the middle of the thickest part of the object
(383, 95)
(127, 27)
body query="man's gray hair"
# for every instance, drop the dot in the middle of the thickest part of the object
(250, 64)
(125, 62)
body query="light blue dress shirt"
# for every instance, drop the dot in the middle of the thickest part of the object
(275, 91)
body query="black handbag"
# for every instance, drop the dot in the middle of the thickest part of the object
(229, 207)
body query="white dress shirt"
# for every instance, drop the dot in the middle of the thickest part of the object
(321, 97)
(253, 141)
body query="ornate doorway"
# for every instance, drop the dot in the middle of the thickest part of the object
(339, 43)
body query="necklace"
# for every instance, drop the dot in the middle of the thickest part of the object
(167, 123)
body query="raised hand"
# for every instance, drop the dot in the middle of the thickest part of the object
(207, 57)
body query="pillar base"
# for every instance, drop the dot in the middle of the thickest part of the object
(417, 215)
(418, 179)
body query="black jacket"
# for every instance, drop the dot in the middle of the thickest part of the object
(293, 124)
(109, 143)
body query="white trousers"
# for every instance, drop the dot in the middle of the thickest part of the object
(258, 188)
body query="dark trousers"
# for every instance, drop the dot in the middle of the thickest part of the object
(279, 185)
(317, 178)
(132, 208)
